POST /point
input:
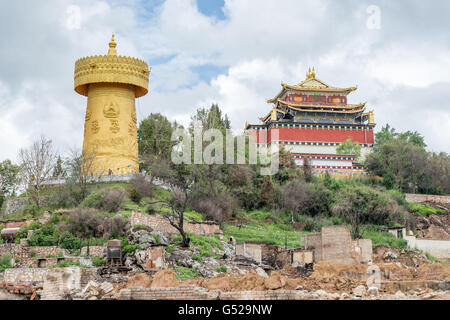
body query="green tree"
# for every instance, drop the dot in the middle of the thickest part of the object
(58, 171)
(155, 133)
(180, 179)
(386, 134)
(9, 179)
(266, 195)
(211, 118)
(307, 169)
(350, 147)
(403, 162)
(36, 164)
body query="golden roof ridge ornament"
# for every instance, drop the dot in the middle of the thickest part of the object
(112, 47)
(311, 74)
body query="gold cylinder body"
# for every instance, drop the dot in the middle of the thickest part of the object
(110, 130)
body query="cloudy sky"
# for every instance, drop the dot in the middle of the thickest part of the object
(233, 52)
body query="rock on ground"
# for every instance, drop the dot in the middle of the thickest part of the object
(359, 291)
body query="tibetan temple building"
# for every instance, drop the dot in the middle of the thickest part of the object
(312, 118)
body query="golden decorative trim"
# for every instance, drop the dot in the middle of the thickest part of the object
(329, 89)
(329, 111)
(111, 68)
(299, 105)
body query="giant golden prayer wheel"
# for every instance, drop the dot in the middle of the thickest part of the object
(111, 83)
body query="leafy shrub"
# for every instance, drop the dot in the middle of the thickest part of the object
(266, 193)
(69, 241)
(186, 273)
(206, 244)
(381, 238)
(140, 188)
(45, 236)
(156, 237)
(128, 248)
(301, 197)
(423, 209)
(373, 206)
(216, 208)
(109, 200)
(31, 210)
(221, 268)
(23, 231)
(97, 261)
(67, 264)
(170, 249)
(197, 258)
(5, 262)
(86, 223)
(115, 226)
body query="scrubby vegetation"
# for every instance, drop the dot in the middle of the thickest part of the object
(383, 238)
(5, 262)
(184, 273)
(424, 209)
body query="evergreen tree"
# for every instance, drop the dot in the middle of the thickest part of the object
(58, 171)
(266, 195)
(307, 170)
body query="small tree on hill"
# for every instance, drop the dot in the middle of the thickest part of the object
(58, 171)
(9, 179)
(37, 163)
(179, 179)
(266, 195)
(350, 147)
(307, 170)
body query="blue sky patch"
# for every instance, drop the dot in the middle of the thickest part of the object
(206, 72)
(211, 8)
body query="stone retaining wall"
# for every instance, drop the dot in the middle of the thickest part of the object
(17, 204)
(158, 223)
(22, 252)
(405, 286)
(190, 292)
(413, 197)
(94, 251)
(187, 292)
(31, 276)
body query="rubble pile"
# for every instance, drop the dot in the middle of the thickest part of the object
(96, 291)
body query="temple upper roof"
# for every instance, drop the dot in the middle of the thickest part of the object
(311, 84)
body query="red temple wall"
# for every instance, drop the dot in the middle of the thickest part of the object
(316, 135)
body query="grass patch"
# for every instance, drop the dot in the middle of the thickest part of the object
(382, 238)
(268, 233)
(436, 260)
(130, 205)
(186, 273)
(170, 248)
(221, 268)
(423, 209)
(208, 245)
(67, 264)
(97, 261)
(192, 215)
